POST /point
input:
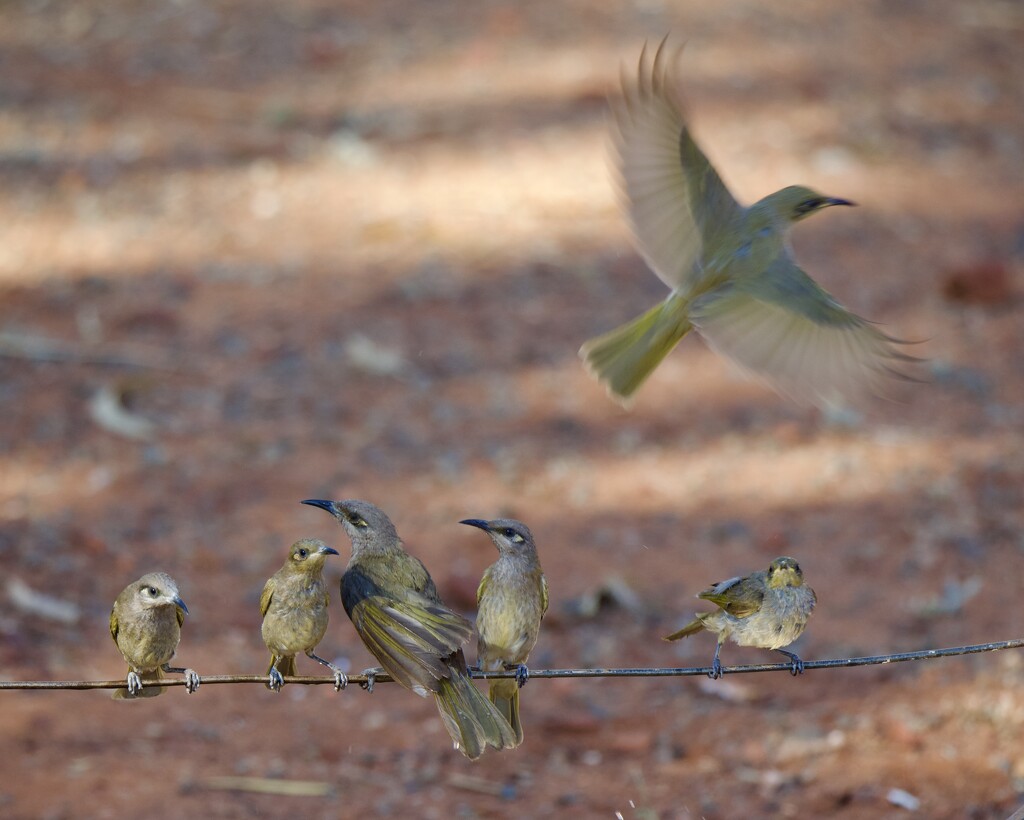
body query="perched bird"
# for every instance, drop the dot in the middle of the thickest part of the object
(768, 609)
(395, 608)
(511, 601)
(730, 268)
(294, 608)
(145, 623)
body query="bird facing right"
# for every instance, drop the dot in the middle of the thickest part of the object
(767, 609)
(511, 601)
(730, 267)
(145, 623)
(294, 608)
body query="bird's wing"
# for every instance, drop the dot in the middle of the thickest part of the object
(781, 327)
(543, 596)
(485, 582)
(114, 626)
(670, 192)
(739, 597)
(180, 615)
(266, 596)
(412, 640)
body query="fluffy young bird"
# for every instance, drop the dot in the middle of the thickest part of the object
(145, 623)
(767, 609)
(730, 267)
(394, 606)
(294, 609)
(511, 601)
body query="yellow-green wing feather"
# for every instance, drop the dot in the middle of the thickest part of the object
(740, 597)
(781, 327)
(266, 596)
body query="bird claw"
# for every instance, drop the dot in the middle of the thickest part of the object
(276, 681)
(716, 670)
(522, 674)
(340, 679)
(192, 681)
(371, 678)
(133, 684)
(796, 664)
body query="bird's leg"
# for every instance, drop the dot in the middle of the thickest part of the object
(716, 665)
(371, 678)
(133, 683)
(276, 680)
(522, 673)
(797, 667)
(340, 678)
(192, 680)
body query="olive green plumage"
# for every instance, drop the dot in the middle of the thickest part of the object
(294, 608)
(767, 609)
(730, 267)
(394, 606)
(511, 601)
(145, 623)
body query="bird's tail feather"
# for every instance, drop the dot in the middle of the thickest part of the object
(504, 694)
(624, 357)
(146, 691)
(470, 718)
(692, 628)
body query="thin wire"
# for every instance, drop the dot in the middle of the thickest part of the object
(668, 672)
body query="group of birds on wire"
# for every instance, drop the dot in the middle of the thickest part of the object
(732, 277)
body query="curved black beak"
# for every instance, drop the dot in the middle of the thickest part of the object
(479, 523)
(176, 600)
(323, 505)
(328, 551)
(835, 201)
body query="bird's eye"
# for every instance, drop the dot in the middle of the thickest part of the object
(356, 521)
(508, 532)
(152, 591)
(303, 553)
(808, 205)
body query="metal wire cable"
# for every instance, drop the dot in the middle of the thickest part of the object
(655, 672)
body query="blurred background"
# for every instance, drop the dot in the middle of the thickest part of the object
(256, 252)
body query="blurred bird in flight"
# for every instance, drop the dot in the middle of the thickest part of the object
(730, 268)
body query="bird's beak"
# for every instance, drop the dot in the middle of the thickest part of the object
(323, 505)
(327, 551)
(476, 522)
(176, 600)
(834, 201)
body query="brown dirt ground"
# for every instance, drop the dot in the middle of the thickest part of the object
(358, 245)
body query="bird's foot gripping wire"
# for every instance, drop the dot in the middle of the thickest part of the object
(133, 684)
(522, 673)
(716, 665)
(192, 680)
(797, 666)
(371, 678)
(276, 681)
(340, 678)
